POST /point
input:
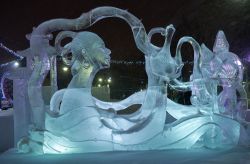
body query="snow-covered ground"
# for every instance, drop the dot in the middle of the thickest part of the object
(195, 156)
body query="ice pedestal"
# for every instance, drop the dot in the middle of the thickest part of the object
(7, 128)
(22, 117)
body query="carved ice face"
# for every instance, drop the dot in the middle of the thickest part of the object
(88, 50)
(100, 54)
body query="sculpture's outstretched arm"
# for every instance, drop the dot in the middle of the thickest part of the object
(180, 86)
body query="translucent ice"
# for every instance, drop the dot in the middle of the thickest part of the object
(77, 122)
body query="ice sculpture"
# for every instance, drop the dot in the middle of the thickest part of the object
(76, 122)
(217, 68)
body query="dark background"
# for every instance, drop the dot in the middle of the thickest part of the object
(200, 19)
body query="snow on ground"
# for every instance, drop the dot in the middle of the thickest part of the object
(195, 156)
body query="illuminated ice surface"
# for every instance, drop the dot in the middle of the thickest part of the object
(76, 122)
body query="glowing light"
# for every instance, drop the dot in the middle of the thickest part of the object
(65, 69)
(108, 85)
(99, 85)
(100, 79)
(16, 64)
(109, 80)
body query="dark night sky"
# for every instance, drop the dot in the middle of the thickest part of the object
(200, 19)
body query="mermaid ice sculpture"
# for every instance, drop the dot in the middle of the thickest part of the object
(77, 122)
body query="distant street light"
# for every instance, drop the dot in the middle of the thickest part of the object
(65, 69)
(100, 79)
(99, 85)
(109, 80)
(16, 64)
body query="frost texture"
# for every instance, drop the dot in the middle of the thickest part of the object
(76, 122)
